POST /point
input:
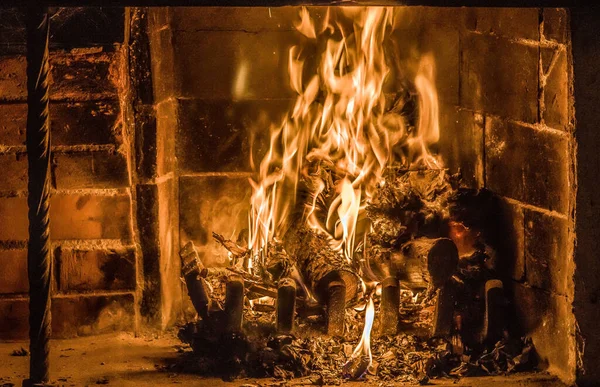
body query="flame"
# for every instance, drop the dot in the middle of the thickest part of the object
(361, 359)
(339, 122)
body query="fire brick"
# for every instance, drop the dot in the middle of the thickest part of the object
(73, 77)
(98, 169)
(14, 324)
(76, 216)
(218, 135)
(556, 92)
(13, 173)
(87, 315)
(527, 164)
(14, 272)
(80, 123)
(547, 318)
(83, 270)
(241, 66)
(163, 64)
(204, 209)
(166, 124)
(515, 23)
(514, 245)
(499, 77)
(15, 209)
(555, 24)
(547, 252)
(461, 143)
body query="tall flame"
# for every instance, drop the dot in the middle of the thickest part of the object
(361, 359)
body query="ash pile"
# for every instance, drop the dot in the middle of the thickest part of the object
(422, 298)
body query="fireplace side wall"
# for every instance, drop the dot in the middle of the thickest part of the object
(502, 77)
(94, 257)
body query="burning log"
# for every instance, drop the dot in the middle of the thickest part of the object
(330, 278)
(390, 306)
(362, 358)
(194, 272)
(424, 261)
(234, 304)
(286, 305)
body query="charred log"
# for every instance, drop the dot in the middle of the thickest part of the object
(234, 304)
(336, 306)
(390, 306)
(424, 262)
(286, 305)
(193, 272)
(443, 318)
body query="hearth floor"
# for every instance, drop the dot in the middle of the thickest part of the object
(125, 360)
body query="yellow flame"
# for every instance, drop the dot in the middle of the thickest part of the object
(363, 349)
(339, 120)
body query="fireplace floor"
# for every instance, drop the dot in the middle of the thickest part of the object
(125, 360)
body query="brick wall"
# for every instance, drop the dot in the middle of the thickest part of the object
(95, 268)
(502, 77)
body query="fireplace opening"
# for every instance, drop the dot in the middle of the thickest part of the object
(318, 195)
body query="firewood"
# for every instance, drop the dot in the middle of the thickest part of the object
(336, 307)
(234, 304)
(286, 305)
(444, 310)
(494, 320)
(423, 262)
(390, 306)
(193, 271)
(319, 264)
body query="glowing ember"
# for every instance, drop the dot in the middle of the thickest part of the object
(362, 359)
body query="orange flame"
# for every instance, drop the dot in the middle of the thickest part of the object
(339, 121)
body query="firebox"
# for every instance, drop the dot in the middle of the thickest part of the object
(319, 194)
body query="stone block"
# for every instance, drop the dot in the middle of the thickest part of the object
(461, 143)
(548, 264)
(13, 173)
(515, 23)
(219, 135)
(91, 315)
(527, 164)
(14, 272)
(556, 23)
(163, 61)
(212, 204)
(81, 216)
(15, 224)
(98, 169)
(167, 121)
(556, 91)
(91, 270)
(442, 42)
(14, 324)
(233, 65)
(499, 77)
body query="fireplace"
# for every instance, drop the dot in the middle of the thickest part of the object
(211, 165)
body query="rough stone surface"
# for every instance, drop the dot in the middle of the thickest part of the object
(14, 323)
(546, 252)
(556, 92)
(167, 121)
(548, 320)
(499, 77)
(86, 270)
(76, 216)
(556, 23)
(212, 204)
(165, 78)
(87, 315)
(516, 23)
(527, 164)
(14, 272)
(13, 173)
(233, 64)
(461, 144)
(219, 135)
(90, 170)
(514, 266)
(15, 209)
(74, 77)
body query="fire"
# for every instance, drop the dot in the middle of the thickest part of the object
(361, 359)
(339, 138)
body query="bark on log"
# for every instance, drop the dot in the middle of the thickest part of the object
(319, 264)
(424, 261)
(193, 272)
(234, 304)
